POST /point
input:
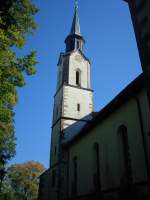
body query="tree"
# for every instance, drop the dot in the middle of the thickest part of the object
(16, 21)
(21, 181)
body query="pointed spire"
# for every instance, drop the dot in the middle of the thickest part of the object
(75, 40)
(75, 29)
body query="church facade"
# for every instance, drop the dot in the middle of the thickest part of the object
(96, 155)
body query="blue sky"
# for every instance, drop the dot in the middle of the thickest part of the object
(111, 47)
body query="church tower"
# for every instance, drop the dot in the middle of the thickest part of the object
(73, 99)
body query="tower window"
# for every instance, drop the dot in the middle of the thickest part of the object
(57, 111)
(78, 78)
(53, 178)
(125, 158)
(75, 177)
(55, 150)
(78, 107)
(97, 174)
(78, 45)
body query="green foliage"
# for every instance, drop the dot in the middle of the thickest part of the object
(21, 182)
(16, 21)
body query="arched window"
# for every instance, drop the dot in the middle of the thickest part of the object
(56, 111)
(78, 45)
(78, 107)
(75, 176)
(125, 159)
(53, 180)
(55, 150)
(123, 137)
(96, 175)
(78, 78)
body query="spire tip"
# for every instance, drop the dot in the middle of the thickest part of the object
(76, 3)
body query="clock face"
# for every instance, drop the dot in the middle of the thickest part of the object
(78, 58)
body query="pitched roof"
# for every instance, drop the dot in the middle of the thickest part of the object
(75, 128)
(130, 91)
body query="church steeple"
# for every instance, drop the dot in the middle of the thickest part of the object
(73, 101)
(75, 40)
(75, 29)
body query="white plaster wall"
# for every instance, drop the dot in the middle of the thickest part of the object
(72, 97)
(78, 62)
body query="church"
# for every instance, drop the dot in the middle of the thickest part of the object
(96, 155)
